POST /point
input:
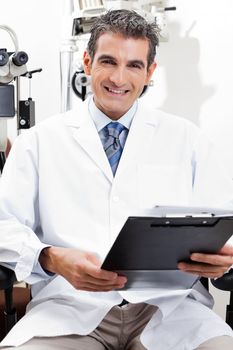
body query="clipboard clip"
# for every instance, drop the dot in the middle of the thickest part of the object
(190, 215)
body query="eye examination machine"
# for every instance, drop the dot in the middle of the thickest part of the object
(13, 65)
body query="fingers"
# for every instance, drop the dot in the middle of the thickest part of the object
(85, 282)
(213, 259)
(209, 265)
(99, 277)
(83, 270)
(203, 270)
(95, 271)
(96, 286)
(92, 266)
(89, 276)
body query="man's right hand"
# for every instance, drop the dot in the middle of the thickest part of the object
(81, 269)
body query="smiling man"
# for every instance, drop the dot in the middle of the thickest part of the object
(68, 187)
(119, 69)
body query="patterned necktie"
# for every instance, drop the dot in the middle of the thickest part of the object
(112, 145)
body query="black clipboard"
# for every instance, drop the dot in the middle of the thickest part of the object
(149, 244)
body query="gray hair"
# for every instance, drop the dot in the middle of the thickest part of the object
(127, 23)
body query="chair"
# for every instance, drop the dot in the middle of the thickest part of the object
(226, 283)
(13, 301)
(12, 306)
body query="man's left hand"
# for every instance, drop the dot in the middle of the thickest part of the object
(209, 265)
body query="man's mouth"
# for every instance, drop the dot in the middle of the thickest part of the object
(117, 92)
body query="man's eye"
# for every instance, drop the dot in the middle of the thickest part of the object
(135, 65)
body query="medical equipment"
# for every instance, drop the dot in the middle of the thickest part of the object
(12, 67)
(82, 15)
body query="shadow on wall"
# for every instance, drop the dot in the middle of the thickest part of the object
(186, 92)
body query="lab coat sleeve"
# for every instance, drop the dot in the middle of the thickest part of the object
(212, 184)
(20, 246)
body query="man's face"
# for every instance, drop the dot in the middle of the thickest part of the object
(118, 72)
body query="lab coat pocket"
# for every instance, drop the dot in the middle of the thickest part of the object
(164, 185)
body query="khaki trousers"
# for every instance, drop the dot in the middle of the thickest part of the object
(119, 330)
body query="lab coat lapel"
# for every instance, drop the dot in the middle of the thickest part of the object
(84, 132)
(138, 142)
(139, 139)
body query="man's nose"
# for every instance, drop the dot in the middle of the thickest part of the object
(118, 76)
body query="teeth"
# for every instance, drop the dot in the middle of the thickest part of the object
(117, 91)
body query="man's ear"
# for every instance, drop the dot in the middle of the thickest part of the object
(87, 63)
(150, 72)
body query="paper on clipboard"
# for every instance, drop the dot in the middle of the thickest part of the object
(186, 211)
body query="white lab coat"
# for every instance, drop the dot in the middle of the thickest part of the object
(58, 183)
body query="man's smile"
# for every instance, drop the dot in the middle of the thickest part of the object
(116, 91)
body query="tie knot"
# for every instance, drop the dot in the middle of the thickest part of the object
(114, 129)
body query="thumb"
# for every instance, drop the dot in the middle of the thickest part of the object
(93, 258)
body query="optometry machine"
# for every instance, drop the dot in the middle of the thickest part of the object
(12, 67)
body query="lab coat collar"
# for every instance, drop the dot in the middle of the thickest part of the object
(139, 138)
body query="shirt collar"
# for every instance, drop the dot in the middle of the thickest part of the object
(101, 120)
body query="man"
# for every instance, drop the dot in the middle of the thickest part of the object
(65, 195)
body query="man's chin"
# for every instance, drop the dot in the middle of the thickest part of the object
(114, 113)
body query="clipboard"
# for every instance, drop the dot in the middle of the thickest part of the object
(148, 249)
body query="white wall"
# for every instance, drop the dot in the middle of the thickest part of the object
(194, 78)
(195, 74)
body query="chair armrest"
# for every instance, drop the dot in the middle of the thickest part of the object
(225, 282)
(7, 278)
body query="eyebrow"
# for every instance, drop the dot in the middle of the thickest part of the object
(106, 57)
(109, 57)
